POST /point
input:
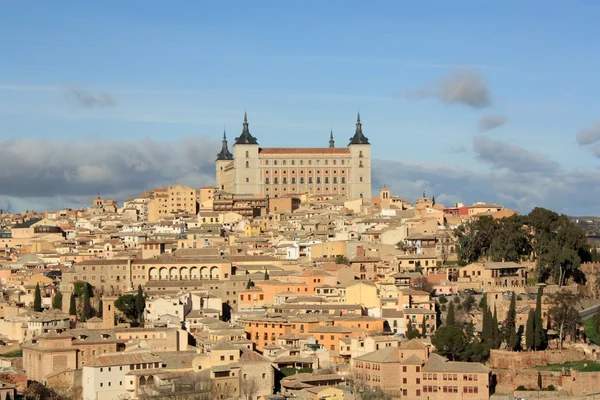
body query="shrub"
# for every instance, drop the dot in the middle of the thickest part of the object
(551, 388)
(521, 387)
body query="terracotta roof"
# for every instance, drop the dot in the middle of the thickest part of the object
(307, 150)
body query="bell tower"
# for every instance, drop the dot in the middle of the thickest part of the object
(360, 162)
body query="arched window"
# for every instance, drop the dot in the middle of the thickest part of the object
(302, 180)
(310, 179)
(267, 180)
(247, 164)
(318, 179)
(326, 179)
(360, 154)
(293, 180)
(284, 180)
(360, 164)
(335, 179)
(275, 180)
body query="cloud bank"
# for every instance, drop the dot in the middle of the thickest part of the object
(490, 122)
(85, 99)
(465, 87)
(38, 174)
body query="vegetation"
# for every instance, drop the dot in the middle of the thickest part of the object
(37, 298)
(564, 317)
(250, 284)
(13, 354)
(57, 301)
(540, 339)
(72, 305)
(592, 328)
(509, 330)
(342, 260)
(556, 244)
(132, 306)
(450, 317)
(581, 366)
(372, 394)
(287, 371)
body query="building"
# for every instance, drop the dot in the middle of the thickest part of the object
(277, 172)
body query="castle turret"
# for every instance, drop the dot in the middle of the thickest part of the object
(360, 153)
(331, 141)
(245, 162)
(224, 158)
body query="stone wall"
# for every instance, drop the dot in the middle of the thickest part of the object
(530, 359)
(580, 383)
(507, 380)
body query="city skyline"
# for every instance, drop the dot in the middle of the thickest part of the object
(92, 101)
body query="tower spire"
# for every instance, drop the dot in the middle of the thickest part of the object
(331, 141)
(245, 137)
(358, 137)
(224, 154)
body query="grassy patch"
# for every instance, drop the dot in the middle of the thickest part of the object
(532, 281)
(581, 366)
(17, 353)
(590, 330)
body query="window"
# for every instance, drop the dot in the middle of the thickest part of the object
(293, 162)
(267, 180)
(275, 180)
(360, 154)
(231, 359)
(302, 180)
(247, 179)
(293, 180)
(248, 164)
(360, 179)
(310, 179)
(360, 164)
(247, 154)
(222, 358)
(335, 179)
(326, 179)
(343, 179)
(318, 179)
(284, 180)
(283, 162)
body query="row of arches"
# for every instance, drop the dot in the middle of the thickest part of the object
(183, 273)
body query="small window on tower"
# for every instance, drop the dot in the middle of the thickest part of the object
(247, 180)
(248, 164)
(247, 154)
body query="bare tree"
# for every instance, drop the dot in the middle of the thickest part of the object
(249, 388)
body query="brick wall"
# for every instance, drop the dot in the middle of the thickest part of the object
(530, 359)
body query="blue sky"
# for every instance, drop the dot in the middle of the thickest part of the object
(76, 76)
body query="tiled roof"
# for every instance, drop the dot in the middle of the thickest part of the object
(106, 360)
(306, 150)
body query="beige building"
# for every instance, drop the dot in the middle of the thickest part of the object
(278, 172)
(490, 275)
(174, 200)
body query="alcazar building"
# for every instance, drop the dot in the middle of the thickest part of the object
(278, 172)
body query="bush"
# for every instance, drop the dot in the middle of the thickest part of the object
(521, 388)
(442, 300)
(551, 388)
(443, 307)
(519, 298)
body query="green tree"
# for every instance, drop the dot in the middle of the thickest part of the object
(37, 298)
(249, 284)
(127, 305)
(539, 335)
(266, 275)
(433, 200)
(140, 304)
(411, 332)
(450, 318)
(483, 302)
(496, 338)
(469, 303)
(57, 301)
(342, 260)
(424, 328)
(529, 331)
(87, 311)
(72, 305)
(450, 342)
(563, 315)
(540, 384)
(442, 300)
(509, 328)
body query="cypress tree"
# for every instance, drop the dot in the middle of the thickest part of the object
(423, 328)
(140, 304)
(529, 331)
(266, 275)
(539, 380)
(72, 305)
(57, 301)
(495, 330)
(87, 305)
(510, 331)
(486, 328)
(539, 336)
(450, 318)
(37, 298)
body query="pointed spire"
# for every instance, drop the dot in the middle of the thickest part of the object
(358, 137)
(331, 141)
(224, 154)
(246, 137)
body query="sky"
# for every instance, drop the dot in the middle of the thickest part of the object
(492, 101)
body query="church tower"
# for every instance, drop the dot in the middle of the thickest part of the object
(224, 158)
(360, 162)
(246, 163)
(331, 141)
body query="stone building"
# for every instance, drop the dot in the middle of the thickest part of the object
(278, 172)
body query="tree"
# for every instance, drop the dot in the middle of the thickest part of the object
(249, 388)
(411, 332)
(250, 284)
(266, 275)
(530, 331)
(127, 305)
(57, 301)
(87, 311)
(72, 305)
(433, 200)
(421, 283)
(562, 313)
(469, 303)
(509, 328)
(368, 393)
(496, 339)
(442, 300)
(450, 318)
(424, 328)
(37, 298)
(450, 342)
(342, 260)
(539, 382)
(539, 335)
(140, 304)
